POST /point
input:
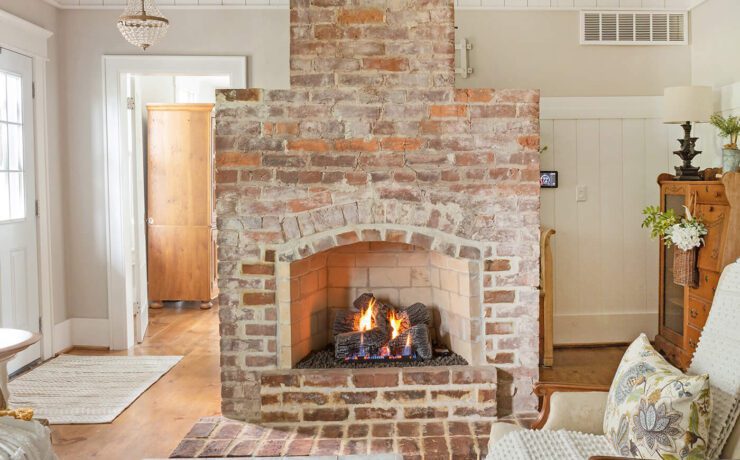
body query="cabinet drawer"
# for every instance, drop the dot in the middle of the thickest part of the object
(710, 193)
(698, 312)
(692, 339)
(707, 285)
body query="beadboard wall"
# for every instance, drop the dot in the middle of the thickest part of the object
(605, 264)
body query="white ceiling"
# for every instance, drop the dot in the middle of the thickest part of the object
(462, 4)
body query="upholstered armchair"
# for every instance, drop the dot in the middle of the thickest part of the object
(578, 410)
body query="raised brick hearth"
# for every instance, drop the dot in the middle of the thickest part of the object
(372, 146)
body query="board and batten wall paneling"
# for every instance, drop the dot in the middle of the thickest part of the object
(605, 264)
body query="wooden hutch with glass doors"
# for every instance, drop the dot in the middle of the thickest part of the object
(683, 310)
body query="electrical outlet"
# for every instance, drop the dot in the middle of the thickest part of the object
(581, 193)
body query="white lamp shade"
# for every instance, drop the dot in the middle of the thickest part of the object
(687, 103)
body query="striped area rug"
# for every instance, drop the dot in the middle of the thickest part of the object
(87, 389)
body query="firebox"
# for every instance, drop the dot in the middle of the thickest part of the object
(378, 303)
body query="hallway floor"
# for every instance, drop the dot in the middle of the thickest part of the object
(156, 422)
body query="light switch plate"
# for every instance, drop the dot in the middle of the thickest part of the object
(581, 193)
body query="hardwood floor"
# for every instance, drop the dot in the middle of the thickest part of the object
(156, 422)
(584, 365)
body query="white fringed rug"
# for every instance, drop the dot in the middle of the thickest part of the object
(87, 389)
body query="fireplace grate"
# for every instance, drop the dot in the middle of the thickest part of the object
(325, 359)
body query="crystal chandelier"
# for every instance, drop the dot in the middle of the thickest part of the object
(142, 24)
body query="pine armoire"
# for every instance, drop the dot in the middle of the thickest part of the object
(181, 224)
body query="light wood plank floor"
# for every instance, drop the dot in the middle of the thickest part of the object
(156, 422)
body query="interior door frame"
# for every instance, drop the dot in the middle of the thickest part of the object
(118, 174)
(23, 37)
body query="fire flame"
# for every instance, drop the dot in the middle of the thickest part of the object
(395, 321)
(408, 340)
(366, 319)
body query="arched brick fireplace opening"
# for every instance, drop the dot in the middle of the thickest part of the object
(382, 262)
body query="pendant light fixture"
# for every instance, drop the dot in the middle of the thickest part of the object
(142, 24)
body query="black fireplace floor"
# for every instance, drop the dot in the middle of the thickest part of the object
(324, 359)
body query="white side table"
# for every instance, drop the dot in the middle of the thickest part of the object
(12, 342)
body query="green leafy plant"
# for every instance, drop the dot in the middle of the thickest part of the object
(728, 128)
(657, 221)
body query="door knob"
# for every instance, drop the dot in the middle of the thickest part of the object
(150, 221)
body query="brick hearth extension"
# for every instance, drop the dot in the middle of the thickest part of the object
(415, 440)
(373, 143)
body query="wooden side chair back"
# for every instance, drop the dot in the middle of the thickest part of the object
(546, 297)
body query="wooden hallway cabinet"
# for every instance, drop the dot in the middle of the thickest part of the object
(683, 310)
(181, 224)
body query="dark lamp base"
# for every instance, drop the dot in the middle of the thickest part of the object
(687, 173)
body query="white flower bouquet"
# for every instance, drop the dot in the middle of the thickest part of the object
(686, 233)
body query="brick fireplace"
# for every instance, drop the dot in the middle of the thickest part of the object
(374, 174)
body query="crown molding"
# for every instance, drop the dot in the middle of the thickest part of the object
(460, 5)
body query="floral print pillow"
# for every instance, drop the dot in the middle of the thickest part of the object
(654, 410)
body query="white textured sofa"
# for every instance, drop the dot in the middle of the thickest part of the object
(580, 409)
(24, 440)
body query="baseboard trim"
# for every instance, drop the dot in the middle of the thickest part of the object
(81, 332)
(614, 328)
(62, 336)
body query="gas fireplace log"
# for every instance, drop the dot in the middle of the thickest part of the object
(420, 342)
(349, 320)
(348, 344)
(344, 322)
(362, 302)
(418, 313)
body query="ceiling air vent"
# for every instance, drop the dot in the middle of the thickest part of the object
(633, 28)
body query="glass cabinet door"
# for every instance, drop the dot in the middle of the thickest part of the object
(673, 301)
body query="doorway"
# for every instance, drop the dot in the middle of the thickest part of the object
(19, 283)
(132, 82)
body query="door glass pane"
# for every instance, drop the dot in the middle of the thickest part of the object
(4, 192)
(3, 146)
(12, 187)
(672, 293)
(15, 147)
(3, 99)
(14, 98)
(17, 197)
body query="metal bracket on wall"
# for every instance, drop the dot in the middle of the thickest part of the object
(463, 46)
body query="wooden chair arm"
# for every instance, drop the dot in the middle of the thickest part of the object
(601, 457)
(545, 391)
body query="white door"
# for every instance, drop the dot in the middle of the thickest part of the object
(19, 298)
(135, 159)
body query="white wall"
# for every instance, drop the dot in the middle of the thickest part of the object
(46, 16)
(605, 264)
(86, 35)
(715, 52)
(541, 49)
(715, 43)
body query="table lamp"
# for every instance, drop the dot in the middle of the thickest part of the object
(683, 105)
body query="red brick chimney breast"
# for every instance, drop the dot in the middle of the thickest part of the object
(373, 142)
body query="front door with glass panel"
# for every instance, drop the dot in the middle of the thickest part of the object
(19, 299)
